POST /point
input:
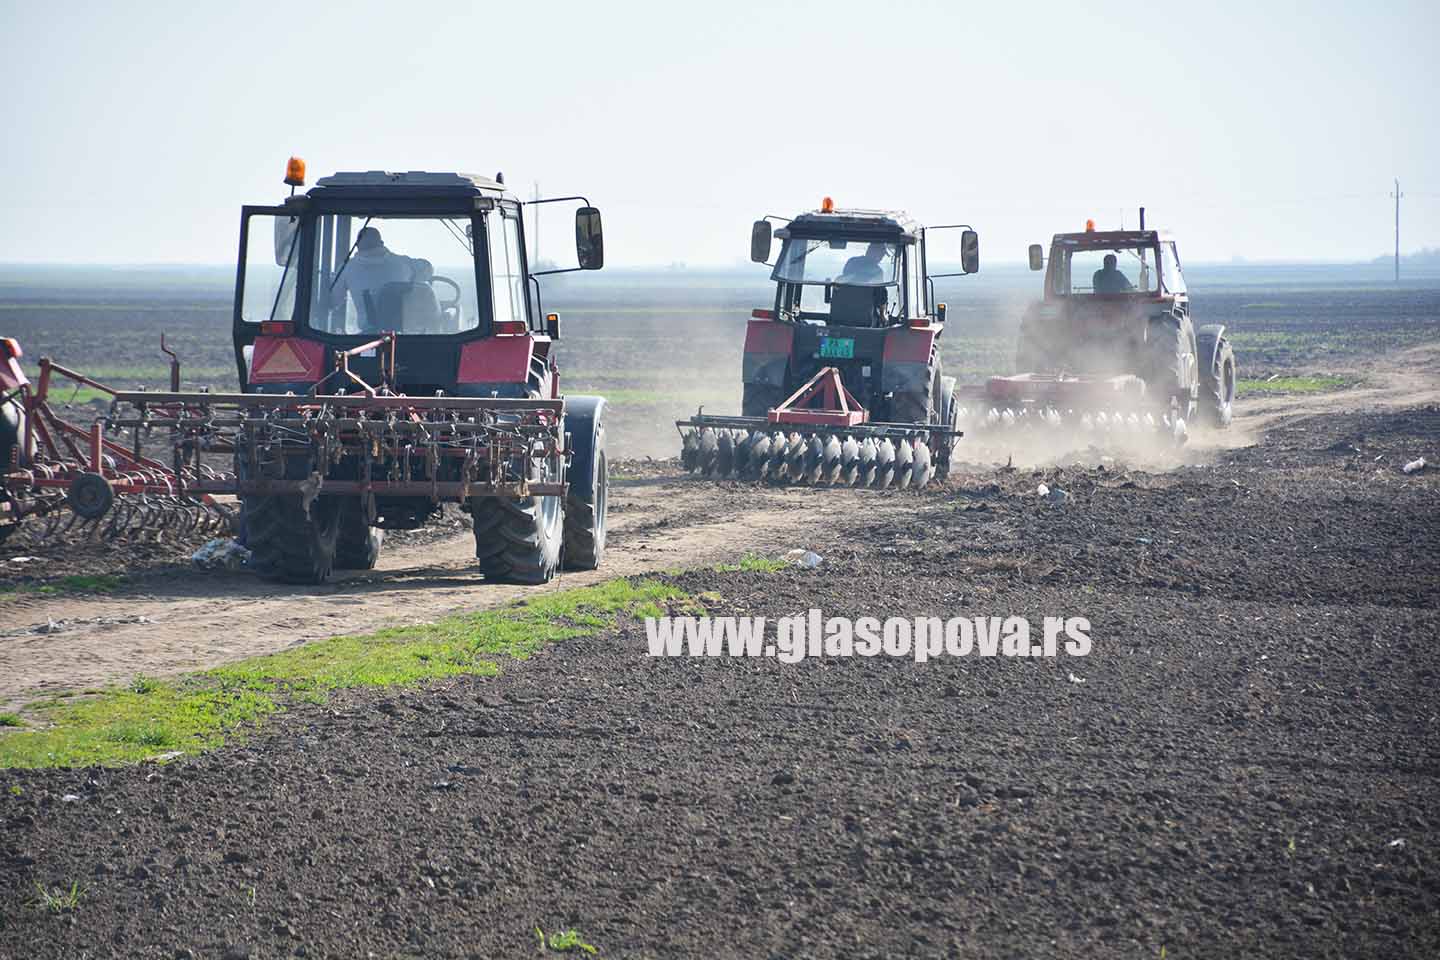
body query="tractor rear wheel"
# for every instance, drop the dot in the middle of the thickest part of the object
(588, 479)
(1217, 387)
(12, 427)
(288, 543)
(758, 399)
(1170, 364)
(357, 547)
(518, 539)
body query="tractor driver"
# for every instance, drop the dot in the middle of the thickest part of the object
(866, 269)
(1109, 279)
(369, 270)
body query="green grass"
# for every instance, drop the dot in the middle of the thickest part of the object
(58, 900)
(11, 720)
(564, 942)
(1290, 385)
(753, 563)
(77, 583)
(62, 395)
(198, 712)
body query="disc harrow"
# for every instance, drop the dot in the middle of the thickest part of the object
(818, 437)
(812, 458)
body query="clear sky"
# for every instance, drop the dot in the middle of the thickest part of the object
(1268, 130)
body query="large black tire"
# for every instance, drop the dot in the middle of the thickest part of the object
(358, 545)
(920, 407)
(1170, 367)
(585, 502)
(949, 416)
(12, 419)
(519, 539)
(1217, 387)
(758, 399)
(286, 543)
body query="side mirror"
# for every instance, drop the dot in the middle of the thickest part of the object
(1037, 257)
(760, 241)
(285, 230)
(970, 251)
(940, 312)
(589, 240)
(552, 325)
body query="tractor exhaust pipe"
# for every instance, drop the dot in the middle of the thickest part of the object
(1142, 218)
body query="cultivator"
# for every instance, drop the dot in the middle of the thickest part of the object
(368, 442)
(65, 479)
(821, 436)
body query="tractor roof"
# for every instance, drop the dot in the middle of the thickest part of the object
(414, 182)
(1097, 239)
(853, 223)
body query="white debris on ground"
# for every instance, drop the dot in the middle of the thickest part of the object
(1414, 466)
(808, 559)
(221, 554)
(1054, 495)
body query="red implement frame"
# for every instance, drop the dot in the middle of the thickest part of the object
(821, 401)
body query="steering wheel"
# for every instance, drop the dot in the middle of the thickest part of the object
(454, 303)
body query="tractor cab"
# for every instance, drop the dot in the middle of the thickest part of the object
(1126, 264)
(853, 268)
(436, 259)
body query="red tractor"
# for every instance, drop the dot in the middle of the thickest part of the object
(1112, 344)
(393, 355)
(841, 374)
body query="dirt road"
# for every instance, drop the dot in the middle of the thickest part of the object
(173, 620)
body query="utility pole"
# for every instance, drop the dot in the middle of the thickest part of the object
(1397, 195)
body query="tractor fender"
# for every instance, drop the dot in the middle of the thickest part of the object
(585, 424)
(1207, 345)
(908, 361)
(768, 345)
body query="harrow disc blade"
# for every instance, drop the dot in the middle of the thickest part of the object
(849, 462)
(831, 471)
(869, 463)
(884, 463)
(725, 454)
(708, 452)
(922, 469)
(814, 459)
(904, 461)
(689, 450)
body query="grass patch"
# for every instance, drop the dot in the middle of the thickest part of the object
(11, 720)
(58, 900)
(198, 712)
(753, 563)
(77, 583)
(564, 942)
(1290, 385)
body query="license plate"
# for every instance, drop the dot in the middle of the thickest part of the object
(837, 348)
